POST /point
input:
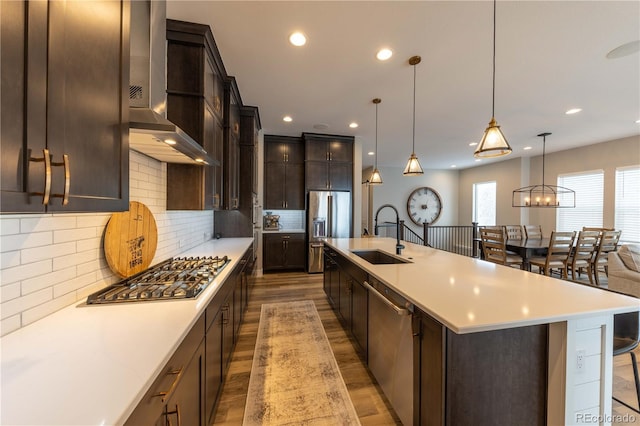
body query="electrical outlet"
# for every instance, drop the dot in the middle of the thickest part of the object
(580, 360)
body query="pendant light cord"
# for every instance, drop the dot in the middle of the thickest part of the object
(544, 144)
(413, 146)
(493, 95)
(376, 158)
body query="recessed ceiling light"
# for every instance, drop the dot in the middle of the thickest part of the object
(453, 166)
(637, 121)
(169, 141)
(321, 126)
(384, 54)
(297, 39)
(287, 118)
(370, 153)
(353, 125)
(478, 160)
(573, 111)
(625, 50)
(473, 143)
(527, 148)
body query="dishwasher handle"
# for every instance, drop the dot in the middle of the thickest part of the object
(389, 303)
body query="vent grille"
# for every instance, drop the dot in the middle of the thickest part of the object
(135, 92)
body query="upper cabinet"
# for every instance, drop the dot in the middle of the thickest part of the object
(283, 173)
(64, 101)
(329, 162)
(195, 102)
(231, 164)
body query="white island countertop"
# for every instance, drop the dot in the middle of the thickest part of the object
(470, 295)
(91, 365)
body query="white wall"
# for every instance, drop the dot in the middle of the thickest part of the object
(396, 190)
(49, 261)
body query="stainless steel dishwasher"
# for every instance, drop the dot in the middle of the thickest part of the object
(391, 346)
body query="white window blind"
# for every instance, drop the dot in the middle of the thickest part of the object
(627, 207)
(484, 203)
(589, 188)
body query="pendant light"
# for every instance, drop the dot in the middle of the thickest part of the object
(493, 143)
(544, 195)
(413, 165)
(376, 178)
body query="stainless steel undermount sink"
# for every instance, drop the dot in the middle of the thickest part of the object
(378, 257)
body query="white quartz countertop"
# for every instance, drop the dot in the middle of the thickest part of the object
(471, 295)
(91, 365)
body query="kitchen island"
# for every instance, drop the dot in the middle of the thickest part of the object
(494, 340)
(91, 365)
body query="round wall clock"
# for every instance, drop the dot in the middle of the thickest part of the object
(424, 205)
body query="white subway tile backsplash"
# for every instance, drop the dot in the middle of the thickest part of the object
(9, 226)
(47, 252)
(58, 259)
(22, 241)
(47, 223)
(22, 303)
(9, 324)
(43, 281)
(22, 272)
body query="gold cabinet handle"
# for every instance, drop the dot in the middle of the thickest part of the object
(177, 413)
(165, 394)
(46, 158)
(67, 180)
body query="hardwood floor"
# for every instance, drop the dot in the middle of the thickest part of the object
(369, 401)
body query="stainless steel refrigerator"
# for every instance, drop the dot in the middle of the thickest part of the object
(329, 216)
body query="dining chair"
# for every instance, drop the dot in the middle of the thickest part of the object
(583, 252)
(608, 243)
(588, 228)
(533, 231)
(560, 246)
(514, 232)
(494, 247)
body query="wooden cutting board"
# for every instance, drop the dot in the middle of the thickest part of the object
(130, 240)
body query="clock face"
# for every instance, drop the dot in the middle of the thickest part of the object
(424, 206)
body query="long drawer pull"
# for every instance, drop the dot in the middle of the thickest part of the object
(177, 413)
(46, 158)
(389, 303)
(67, 180)
(165, 394)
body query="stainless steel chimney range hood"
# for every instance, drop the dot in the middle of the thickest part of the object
(149, 131)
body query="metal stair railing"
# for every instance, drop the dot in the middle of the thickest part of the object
(459, 239)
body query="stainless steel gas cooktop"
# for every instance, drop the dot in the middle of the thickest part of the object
(177, 278)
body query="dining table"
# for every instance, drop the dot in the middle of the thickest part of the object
(528, 248)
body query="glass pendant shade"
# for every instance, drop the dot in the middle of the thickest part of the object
(376, 178)
(493, 143)
(413, 166)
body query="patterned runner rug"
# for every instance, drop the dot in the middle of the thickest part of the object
(295, 379)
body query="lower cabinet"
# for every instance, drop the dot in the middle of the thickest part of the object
(348, 297)
(284, 251)
(187, 390)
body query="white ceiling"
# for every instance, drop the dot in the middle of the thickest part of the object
(550, 56)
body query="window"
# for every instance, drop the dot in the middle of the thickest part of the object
(589, 188)
(484, 203)
(627, 213)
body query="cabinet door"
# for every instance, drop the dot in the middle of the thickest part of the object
(295, 152)
(340, 176)
(294, 186)
(317, 175)
(275, 152)
(87, 104)
(20, 22)
(273, 252)
(316, 150)
(341, 151)
(213, 366)
(295, 249)
(360, 315)
(274, 185)
(185, 405)
(346, 283)
(237, 305)
(227, 332)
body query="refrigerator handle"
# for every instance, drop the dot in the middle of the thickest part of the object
(330, 216)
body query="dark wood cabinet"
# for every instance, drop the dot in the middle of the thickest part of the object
(195, 102)
(328, 162)
(283, 251)
(57, 120)
(284, 173)
(331, 279)
(231, 159)
(213, 365)
(360, 315)
(462, 379)
(185, 406)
